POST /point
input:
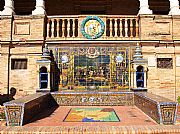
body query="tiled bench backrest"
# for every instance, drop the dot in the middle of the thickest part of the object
(161, 109)
(21, 111)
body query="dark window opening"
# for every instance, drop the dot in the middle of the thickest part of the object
(18, 64)
(93, 12)
(2, 3)
(161, 12)
(24, 13)
(160, 7)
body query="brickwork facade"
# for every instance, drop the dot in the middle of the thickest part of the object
(25, 43)
(23, 37)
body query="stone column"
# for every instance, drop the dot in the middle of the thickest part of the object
(174, 7)
(8, 8)
(40, 8)
(144, 7)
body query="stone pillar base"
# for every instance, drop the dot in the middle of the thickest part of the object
(38, 11)
(7, 12)
(174, 11)
(145, 10)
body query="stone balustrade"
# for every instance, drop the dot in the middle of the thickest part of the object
(69, 27)
(122, 27)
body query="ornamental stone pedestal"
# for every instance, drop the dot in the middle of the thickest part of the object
(139, 71)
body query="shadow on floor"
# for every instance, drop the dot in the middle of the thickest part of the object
(46, 113)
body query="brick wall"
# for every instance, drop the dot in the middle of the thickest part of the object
(28, 35)
(27, 41)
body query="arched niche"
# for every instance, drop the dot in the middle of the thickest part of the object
(43, 77)
(140, 76)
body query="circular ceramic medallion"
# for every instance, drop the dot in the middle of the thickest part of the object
(92, 27)
(119, 58)
(64, 59)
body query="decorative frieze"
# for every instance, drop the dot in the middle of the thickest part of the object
(95, 99)
(165, 63)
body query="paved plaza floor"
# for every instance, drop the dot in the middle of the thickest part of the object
(132, 120)
(128, 115)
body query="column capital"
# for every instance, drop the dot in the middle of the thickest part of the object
(144, 7)
(40, 8)
(8, 8)
(174, 7)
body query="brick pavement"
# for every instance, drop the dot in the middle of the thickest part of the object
(128, 115)
(152, 129)
(132, 121)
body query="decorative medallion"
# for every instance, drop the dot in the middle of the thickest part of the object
(92, 27)
(92, 52)
(64, 58)
(119, 58)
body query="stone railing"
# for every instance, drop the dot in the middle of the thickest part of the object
(122, 27)
(70, 27)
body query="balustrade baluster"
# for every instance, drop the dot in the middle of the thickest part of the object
(131, 27)
(137, 28)
(110, 28)
(121, 28)
(73, 27)
(48, 28)
(126, 27)
(63, 27)
(68, 27)
(115, 27)
(52, 28)
(58, 28)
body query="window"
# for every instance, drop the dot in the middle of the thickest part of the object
(165, 63)
(18, 64)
